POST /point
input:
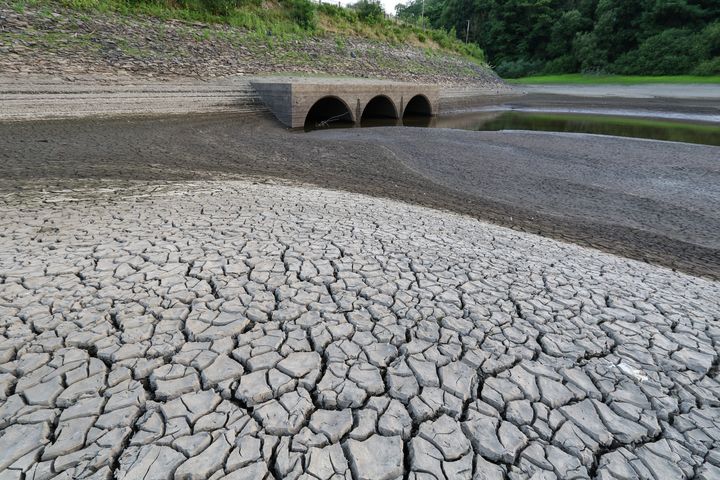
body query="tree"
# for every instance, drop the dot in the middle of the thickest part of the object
(522, 37)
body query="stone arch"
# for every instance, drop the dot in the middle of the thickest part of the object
(380, 106)
(328, 110)
(418, 105)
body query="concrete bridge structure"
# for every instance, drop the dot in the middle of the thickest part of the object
(300, 102)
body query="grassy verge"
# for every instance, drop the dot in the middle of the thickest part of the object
(283, 19)
(579, 79)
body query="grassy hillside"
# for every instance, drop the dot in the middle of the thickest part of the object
(211, 38)
(286, 19)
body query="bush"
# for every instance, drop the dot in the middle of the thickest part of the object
(519, 68)
(667, 53)
(566, 63)
(335, 11)
(302, 12)
(474, 51)
(590, 56)
(341, 46)
(710, 37)
(708, 67)
(80, 4)
(218, 7)
(248, 20)
(369, 11)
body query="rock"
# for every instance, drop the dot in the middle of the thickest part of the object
(334, 424)
(18, 440)
(327, 463)
(208, 462)
(171, 381)
(222, 369)
(149, 461)
(445, 435)
(377, 458)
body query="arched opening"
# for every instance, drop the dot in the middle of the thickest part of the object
(417, 112)
(328, 112)
(379, 110)
(418, 105)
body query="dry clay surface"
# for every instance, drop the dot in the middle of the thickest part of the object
(245, 331)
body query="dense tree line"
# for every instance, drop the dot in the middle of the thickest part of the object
(633, 37)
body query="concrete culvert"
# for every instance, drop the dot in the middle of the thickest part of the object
(379, 107)
(328, 112)
(418, 106)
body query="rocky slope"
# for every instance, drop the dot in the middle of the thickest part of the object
(52, 39)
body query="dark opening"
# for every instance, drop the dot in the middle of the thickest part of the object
(328, 112)
(417, 112)
(418, 105)
(380, 107)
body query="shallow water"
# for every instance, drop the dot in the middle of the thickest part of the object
(675, 130)
(623, 126)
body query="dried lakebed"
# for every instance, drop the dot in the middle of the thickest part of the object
(237, 330)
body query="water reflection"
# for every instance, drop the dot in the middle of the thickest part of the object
(676, 131)
(381, 122)
(624, 126)
(418, 121)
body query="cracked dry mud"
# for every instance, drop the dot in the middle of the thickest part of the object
(237, 330)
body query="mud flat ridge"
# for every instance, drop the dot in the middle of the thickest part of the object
(234, 330)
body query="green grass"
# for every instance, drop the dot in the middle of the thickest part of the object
(580, 79)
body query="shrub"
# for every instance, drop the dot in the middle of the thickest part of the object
(218, 7)
(708, 67)
(341, 46)
(667, 53)
(473, 50)
(565, 63)
(369, 11)
(591, 57)
(710, 38)
(518, 68)
(249, 20)
(302, 12)
(335, 11)
(80, 4)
